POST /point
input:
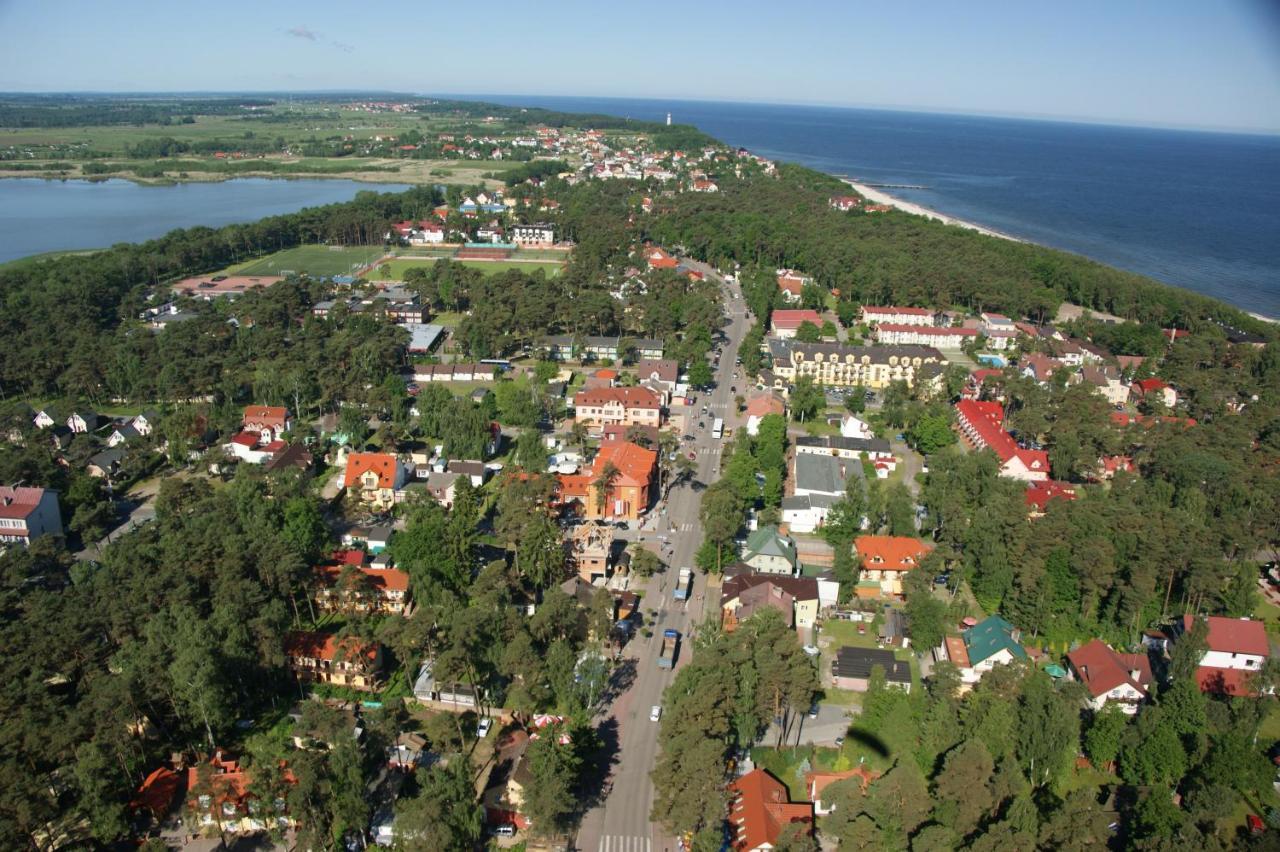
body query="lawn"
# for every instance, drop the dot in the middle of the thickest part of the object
(313, 260)
(489, 267)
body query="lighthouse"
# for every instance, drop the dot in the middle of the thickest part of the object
(668, 119)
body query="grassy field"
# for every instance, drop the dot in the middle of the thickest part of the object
(313, 260)
(488, 267)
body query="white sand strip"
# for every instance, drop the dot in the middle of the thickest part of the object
(877, 197)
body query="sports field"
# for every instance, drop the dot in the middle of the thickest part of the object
(313, 260)
(488, 267)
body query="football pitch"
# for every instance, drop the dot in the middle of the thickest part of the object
(317, 261)
(399, 266)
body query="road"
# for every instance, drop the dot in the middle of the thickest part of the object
(621, 823)
(140, 506)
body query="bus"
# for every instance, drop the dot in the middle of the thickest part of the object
(717, 428)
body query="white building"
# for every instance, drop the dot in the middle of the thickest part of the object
(28, 513)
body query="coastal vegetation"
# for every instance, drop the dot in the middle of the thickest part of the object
(176, 629)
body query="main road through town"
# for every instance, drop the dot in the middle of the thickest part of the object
(621, 822)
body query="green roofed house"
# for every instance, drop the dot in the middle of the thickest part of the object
(990, 643)
(768, 551)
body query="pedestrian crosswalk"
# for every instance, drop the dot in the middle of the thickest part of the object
(624, 843)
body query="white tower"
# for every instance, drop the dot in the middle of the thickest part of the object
(668, 119)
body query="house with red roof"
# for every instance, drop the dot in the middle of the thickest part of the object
(818, 781)
(791, 283)
(269, 421)
(885, 559)
(374, 478)
(761, 811)
(1153, 388)
(617, 406)
(844, 203)
(1111, 677)
(760, 407)
(1109, 466)
(220, 796)
(982, 426)
(1237, 649)
(874, 315)
(660, 259)
(1040, 493)
(785, 323)
(631, 490)
(26, 513)
(342, 587)
(324, 658)
(1124, 418)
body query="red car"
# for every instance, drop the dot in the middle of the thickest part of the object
(693, 455)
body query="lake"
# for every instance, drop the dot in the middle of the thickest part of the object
(39, 215)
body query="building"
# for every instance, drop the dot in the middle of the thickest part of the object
(1107, 382)
(875, 450)
(540, 234)
(872, 315)
(982, 425)
(1111, 677)
(770, 552)
(323, 658)
(885, 559)
(590, 549)
(1144, 389)
(629, 493)
(26, 513)
(609, 406)
(760, 407)
(358, 589)
(565, 347)
(817, 782)
(659, 259)
(854, 427)
(791, 283)
(1040, 367)
(1040, 493)
(662, 373)
(424, 338)
(844, 203)
(270, 422)
(760, 812)
(851, 669)
(1237, 649)
(221, 796)
(977, 650)
(374, 478)
(785, 323)
(745, 592)
(876, 367)
(902, 334)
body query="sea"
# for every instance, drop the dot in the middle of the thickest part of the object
(38, 215)
(1199, 210)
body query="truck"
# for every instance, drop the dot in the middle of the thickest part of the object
(670, 642)
(683, 584)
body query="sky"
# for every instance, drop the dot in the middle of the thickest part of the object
(1183, 63)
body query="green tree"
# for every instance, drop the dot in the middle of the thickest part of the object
(1106, 732)
(807, 399)
(808, 333)
(445, 813)
(700, 375)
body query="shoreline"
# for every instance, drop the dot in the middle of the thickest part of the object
(878, 197)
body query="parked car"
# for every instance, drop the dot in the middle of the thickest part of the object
(484, 727)
(506, 830)
(656, 713)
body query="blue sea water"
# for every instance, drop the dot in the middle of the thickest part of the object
(1195, 209)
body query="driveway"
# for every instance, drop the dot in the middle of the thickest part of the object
(140, 508)
(833, 721)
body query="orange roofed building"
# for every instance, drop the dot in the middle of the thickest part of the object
(760, 811)
(376, 590)
(269, 421)
(323, 658)
(632, 489)
(374, 478)
(886, 558)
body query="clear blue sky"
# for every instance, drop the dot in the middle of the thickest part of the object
(1198, 63)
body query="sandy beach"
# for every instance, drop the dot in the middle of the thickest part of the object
(878, 197)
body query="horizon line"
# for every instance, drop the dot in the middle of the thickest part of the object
(920, 110)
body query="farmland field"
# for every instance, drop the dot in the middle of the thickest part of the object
(313, 260)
